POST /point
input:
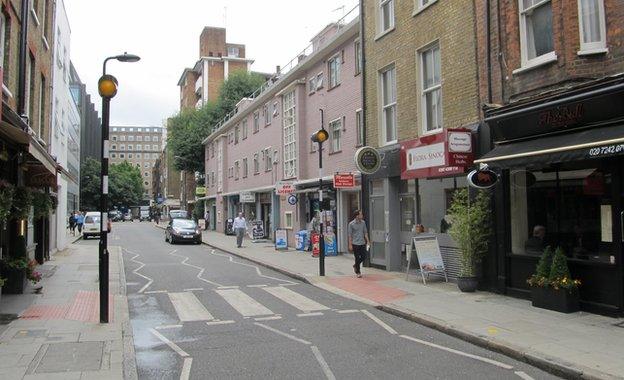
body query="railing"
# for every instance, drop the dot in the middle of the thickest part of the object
(293, 63)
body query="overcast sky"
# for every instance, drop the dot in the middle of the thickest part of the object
(165, 34)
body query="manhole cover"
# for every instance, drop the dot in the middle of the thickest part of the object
(70, 357)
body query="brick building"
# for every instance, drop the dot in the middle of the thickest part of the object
(552, 80)
(141, 147)
(420, 92)
(267, 140)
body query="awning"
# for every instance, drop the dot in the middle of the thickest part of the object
(586, 144)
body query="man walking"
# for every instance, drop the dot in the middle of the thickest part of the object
(72, 223)
(206, 220)
(79, 221)
(240, 227)
(358, 240)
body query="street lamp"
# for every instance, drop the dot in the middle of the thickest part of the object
(107, 87)
(320, 137)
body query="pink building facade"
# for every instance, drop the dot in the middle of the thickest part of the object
(267, 141)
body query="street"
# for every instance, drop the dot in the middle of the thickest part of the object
(201, 313)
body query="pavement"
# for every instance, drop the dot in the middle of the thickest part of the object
(57, 334)
(578, 345)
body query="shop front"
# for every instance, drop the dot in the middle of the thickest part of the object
(562, 167)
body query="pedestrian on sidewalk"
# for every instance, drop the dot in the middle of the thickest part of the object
(72, 223)
(240, 227)
(358, 240)
(206, 219)
(79, 221)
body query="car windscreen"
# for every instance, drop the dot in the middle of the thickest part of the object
(182, 223)
(92, 219)
(178, 214)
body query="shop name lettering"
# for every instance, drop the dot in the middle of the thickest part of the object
(561, 116)
(426, 156)
(605, 150)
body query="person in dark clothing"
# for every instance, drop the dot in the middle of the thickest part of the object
(535, 244)
(358, 240)
(72, 223)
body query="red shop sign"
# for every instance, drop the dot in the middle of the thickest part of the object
(440, 155)
(344, 180)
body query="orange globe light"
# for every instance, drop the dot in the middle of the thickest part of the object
(107, 86)
(320, 136)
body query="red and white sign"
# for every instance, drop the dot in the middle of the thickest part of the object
(284, 188)
(439, 155)
(344, 180)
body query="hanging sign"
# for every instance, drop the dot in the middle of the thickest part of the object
(344, 180)
(482, 179)
(367, 160)
(292, 199)
(284, 188)
(247, 197)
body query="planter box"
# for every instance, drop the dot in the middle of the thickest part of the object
(15, 281)
(561, 300)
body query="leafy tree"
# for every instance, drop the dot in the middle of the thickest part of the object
(90, 185)
(240, 84)
(125, 184)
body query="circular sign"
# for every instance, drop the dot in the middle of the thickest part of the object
(367, 160)
(482, 179)
(292, 199)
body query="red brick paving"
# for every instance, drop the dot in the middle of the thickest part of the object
(368, 287)
(85, 307)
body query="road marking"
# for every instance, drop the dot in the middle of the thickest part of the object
(189, 308)
(201, 270)
(186, 369)
(229, 287)
(231, 258)
(169, 343)
(272, 318)
(310, 314)
(132, 284)
(245, 305)
(347, 311)
(523, 375)
(165, 327)
(283, 334)
(295, 299)
(193, 289)
(379, 322)
(317, 354)
(454, 351)
(155, 291)
(256, 286)
(214, 323)
(149, 280)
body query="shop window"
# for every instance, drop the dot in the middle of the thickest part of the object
(571, 209)
(435, 196)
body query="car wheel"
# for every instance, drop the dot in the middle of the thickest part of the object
(84, 237)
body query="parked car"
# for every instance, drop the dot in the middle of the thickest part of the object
(144, 214)
(115, 215)
(179, 230)
(128, 217)
(91, 226)
(175, 214)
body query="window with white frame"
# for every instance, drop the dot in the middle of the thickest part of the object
(236, 170)
(256, 122)
(386, 15)
(267, 114)
(358, 56)
(148, 138)
(155, 138)
(275, 110)
(335, 134)
(122, 147)
(154, 155)
(236, 133)
(245, 167)
(268, 159)
(431, 91)
(256, 163)
(122, 137)
(121, 155)
(592, 26)
(113, 147)
(130, 138)
(138, 155)
(154, 147)
(245, 128)
(333, 67)
(139, 147)
(319, 81)
(113, 155)
(290, 135)
(536, 34)
(421, 4)
(359, 128)
(387, 81)
(114, 138)
(288, 219)
(129, 155)
(130, 147)
(139, 138)
(312, 85)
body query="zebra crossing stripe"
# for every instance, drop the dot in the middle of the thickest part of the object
(245, 305)
(188, 307)
(295, 299)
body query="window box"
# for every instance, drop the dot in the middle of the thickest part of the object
(561, 300)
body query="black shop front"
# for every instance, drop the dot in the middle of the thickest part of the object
(561, 162)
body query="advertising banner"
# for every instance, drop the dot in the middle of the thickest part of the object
(281, 239)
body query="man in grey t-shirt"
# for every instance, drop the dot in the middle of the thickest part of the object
(358, 240)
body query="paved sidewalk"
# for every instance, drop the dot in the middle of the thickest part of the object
(58, 334)
(578, 345)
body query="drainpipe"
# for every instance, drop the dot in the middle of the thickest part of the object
(488, 49)
(365, 187)
(21, 81)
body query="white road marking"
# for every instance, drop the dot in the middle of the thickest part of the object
(149, 280)
(347, 311)
(132, 284)
(256, 286)
(193, 289)
(317, 354)
(283, 334)
(231, 258)
(272, 318)
(295, 299)
(201, 270)
(189, 308)
(310, 314)
(155, 291)
(214, 323)
(169, 343)
(379, 322)
(245, 305)
(186, 369)
(523, 375)
(165, 327)
(454, 351)
(229, 287)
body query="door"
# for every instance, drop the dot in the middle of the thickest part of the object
(378, 231)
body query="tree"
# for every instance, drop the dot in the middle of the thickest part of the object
(90, 185)
(190, 127)
(125, 184)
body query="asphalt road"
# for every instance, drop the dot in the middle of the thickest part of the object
(204, 314)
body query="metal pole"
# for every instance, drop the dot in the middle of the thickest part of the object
(321, 235)
(103, 251)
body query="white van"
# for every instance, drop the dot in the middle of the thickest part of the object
(91, 225)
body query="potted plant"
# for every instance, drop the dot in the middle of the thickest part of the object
(17, 269)
(470, 228)
(553, 288)
(22, 200)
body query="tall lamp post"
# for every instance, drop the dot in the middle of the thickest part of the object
(320, 137)
(107, 87)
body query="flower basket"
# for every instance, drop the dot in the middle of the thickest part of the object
(561, 300)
